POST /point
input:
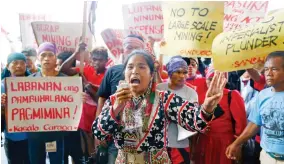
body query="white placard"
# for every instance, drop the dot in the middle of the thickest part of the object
(66, 36)
(43, 103)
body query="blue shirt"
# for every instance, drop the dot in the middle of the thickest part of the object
(268, 112)
(12, 136)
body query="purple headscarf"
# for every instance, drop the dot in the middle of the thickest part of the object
(175, 64)
(47, 46)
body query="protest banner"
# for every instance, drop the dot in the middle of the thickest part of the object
(27, 35)
(146, 17)
(190, 27)
(43, 104)
(66, 36)
(241, 14)
(241, 49)
(113, 39)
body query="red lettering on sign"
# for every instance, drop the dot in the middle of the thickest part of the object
(41, 99)
(145, 8)
(57, 39)
(230, 17)
(31, 128)
(40, 113)
(35, 86)
(253, 60)
(49, 127)
(249, 5)
(249, 19)
(192, 52)
(143, 18)
(47, 28)
(149, 29)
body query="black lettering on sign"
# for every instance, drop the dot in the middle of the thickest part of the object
(188, 36)
(268, 20)
(178, 25)
(178, 12)
(206, 26)
(253, 44)
(201, 12)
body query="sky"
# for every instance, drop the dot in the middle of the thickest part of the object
(109, 14)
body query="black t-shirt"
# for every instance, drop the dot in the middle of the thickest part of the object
(110, 81)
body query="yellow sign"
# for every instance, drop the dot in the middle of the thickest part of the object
(190, 27)
(241, 49)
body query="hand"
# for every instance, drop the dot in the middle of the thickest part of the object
(215, 91)
(163, 43)
(122, 96)
(3, 98)
(233, 152)
(80, 49)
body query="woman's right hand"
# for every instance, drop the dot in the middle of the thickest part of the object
(122, 96)
(215, 92)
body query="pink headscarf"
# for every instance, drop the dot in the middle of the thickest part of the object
(133, 41)
(211, 71)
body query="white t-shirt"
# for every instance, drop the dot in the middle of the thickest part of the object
(186, 93)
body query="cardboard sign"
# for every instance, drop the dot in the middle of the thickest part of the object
(146, 17)
(241, 49)
(66, 36)
(190, 27)
(113, 39)
(27, 35)
(241, 14)
(43, 103)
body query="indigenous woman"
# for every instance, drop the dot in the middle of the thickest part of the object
(210, 147)
(137, 115)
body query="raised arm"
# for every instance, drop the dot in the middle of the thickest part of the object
(189, 115)
(254, 74)
(67, 66)
(184, 113)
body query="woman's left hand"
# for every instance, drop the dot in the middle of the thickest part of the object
(215, 91)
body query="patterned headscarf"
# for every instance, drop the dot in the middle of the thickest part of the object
(175, 64)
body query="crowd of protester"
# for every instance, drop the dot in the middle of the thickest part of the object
(133, 111)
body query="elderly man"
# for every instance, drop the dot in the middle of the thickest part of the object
(267, 114)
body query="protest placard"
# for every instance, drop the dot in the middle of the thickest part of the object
(240, 14)
(66, 36)
(27, 35)
(190, 27)
(146, 17)
(43, 104)
(241, 49)
(113, 39)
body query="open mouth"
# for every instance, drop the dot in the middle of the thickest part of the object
(135, 81)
